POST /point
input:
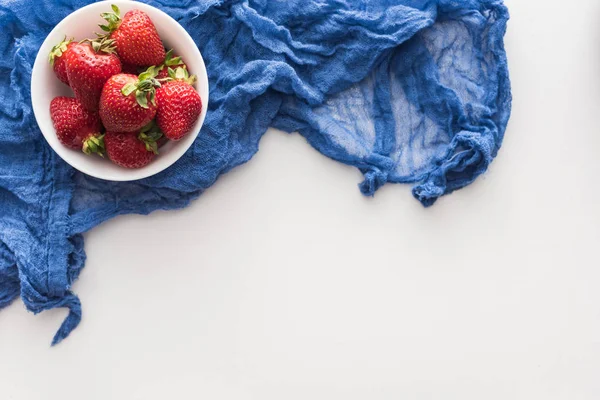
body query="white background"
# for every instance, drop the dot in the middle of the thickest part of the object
(282, 282)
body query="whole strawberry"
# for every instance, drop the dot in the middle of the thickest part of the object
(171, 61)
(57, 58)
(179, 105)
(76, 127)
(88, 67)
(131, 149)
(135, 37)
(128, 103)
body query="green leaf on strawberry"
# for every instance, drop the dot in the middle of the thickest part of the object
(58, 50)
(144, 86)
(94, 145)
(150, 135)
(182, 74)
(171, 61)
(113, 19)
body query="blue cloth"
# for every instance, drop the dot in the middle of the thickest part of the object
(411, 91)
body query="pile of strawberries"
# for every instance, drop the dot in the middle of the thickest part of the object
(117, 112)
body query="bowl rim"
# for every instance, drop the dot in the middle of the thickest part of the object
(177, 150)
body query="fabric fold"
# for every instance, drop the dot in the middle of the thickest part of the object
(9, 277)
(469, 156)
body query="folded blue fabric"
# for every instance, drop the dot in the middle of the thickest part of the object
(412, 91)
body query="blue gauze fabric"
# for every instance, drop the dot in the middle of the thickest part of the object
(412, 91)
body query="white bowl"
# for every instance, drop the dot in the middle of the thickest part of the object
(45, 86)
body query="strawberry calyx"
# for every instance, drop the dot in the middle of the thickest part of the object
(102, 44)
(182, 74)
(150, 135)
(94, 144)
(58, 50)
(170, 61)
(144, 86)
(113, 19)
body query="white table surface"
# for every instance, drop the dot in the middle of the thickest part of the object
(282, 282)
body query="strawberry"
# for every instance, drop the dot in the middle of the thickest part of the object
(131, 149)
(76, 127)
(135, 36)
(88, 67)
(171, 61)
(128, 102)
(179, 105)
(57, 58)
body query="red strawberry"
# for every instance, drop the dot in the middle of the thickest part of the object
(172, 62)
(135, 36)
(179, 105)
(58, 58)
(128, 103)
(131, 149)
(76, 127)
(88, 68)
